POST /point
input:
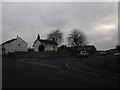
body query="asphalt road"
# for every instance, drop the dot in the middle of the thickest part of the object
(17, 74)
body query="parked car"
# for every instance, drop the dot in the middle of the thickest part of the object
(116, 54)
(82, 54)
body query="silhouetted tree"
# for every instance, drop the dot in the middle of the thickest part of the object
(77, 38)
(56, 36)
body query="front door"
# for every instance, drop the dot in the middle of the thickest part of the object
(41, 48)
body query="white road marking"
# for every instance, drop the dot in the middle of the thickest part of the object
(42, 64)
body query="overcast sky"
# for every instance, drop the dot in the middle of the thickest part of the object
(97, 20)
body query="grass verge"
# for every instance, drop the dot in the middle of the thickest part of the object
(109, 63)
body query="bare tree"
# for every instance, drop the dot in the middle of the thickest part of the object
(56, 36)
(77, 38)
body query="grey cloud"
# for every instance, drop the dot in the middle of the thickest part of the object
(29, 19)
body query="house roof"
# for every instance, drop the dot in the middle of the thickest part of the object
(9, 41)
(86, 46)
(47, 41)
(90, 46)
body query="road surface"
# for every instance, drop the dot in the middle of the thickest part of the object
(17, 74)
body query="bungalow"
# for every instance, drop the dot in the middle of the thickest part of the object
(89, 48)
(111, 51)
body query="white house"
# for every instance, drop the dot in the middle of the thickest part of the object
(44, 45)
(17, 44)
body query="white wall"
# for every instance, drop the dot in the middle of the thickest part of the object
(36, 45)
(48, 47)
(56, 48)
(23, 45)
(14, 45)
(51, 47)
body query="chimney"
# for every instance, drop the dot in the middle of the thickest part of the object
(38, 37)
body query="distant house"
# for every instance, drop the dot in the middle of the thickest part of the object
(111, 51)
(17, 44)
(89, 48)
(100, 53)
(44, 45)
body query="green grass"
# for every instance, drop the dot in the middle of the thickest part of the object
(110, 63)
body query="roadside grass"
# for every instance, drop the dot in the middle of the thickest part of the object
(109, 63)
(56, 60)
(46, 58)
